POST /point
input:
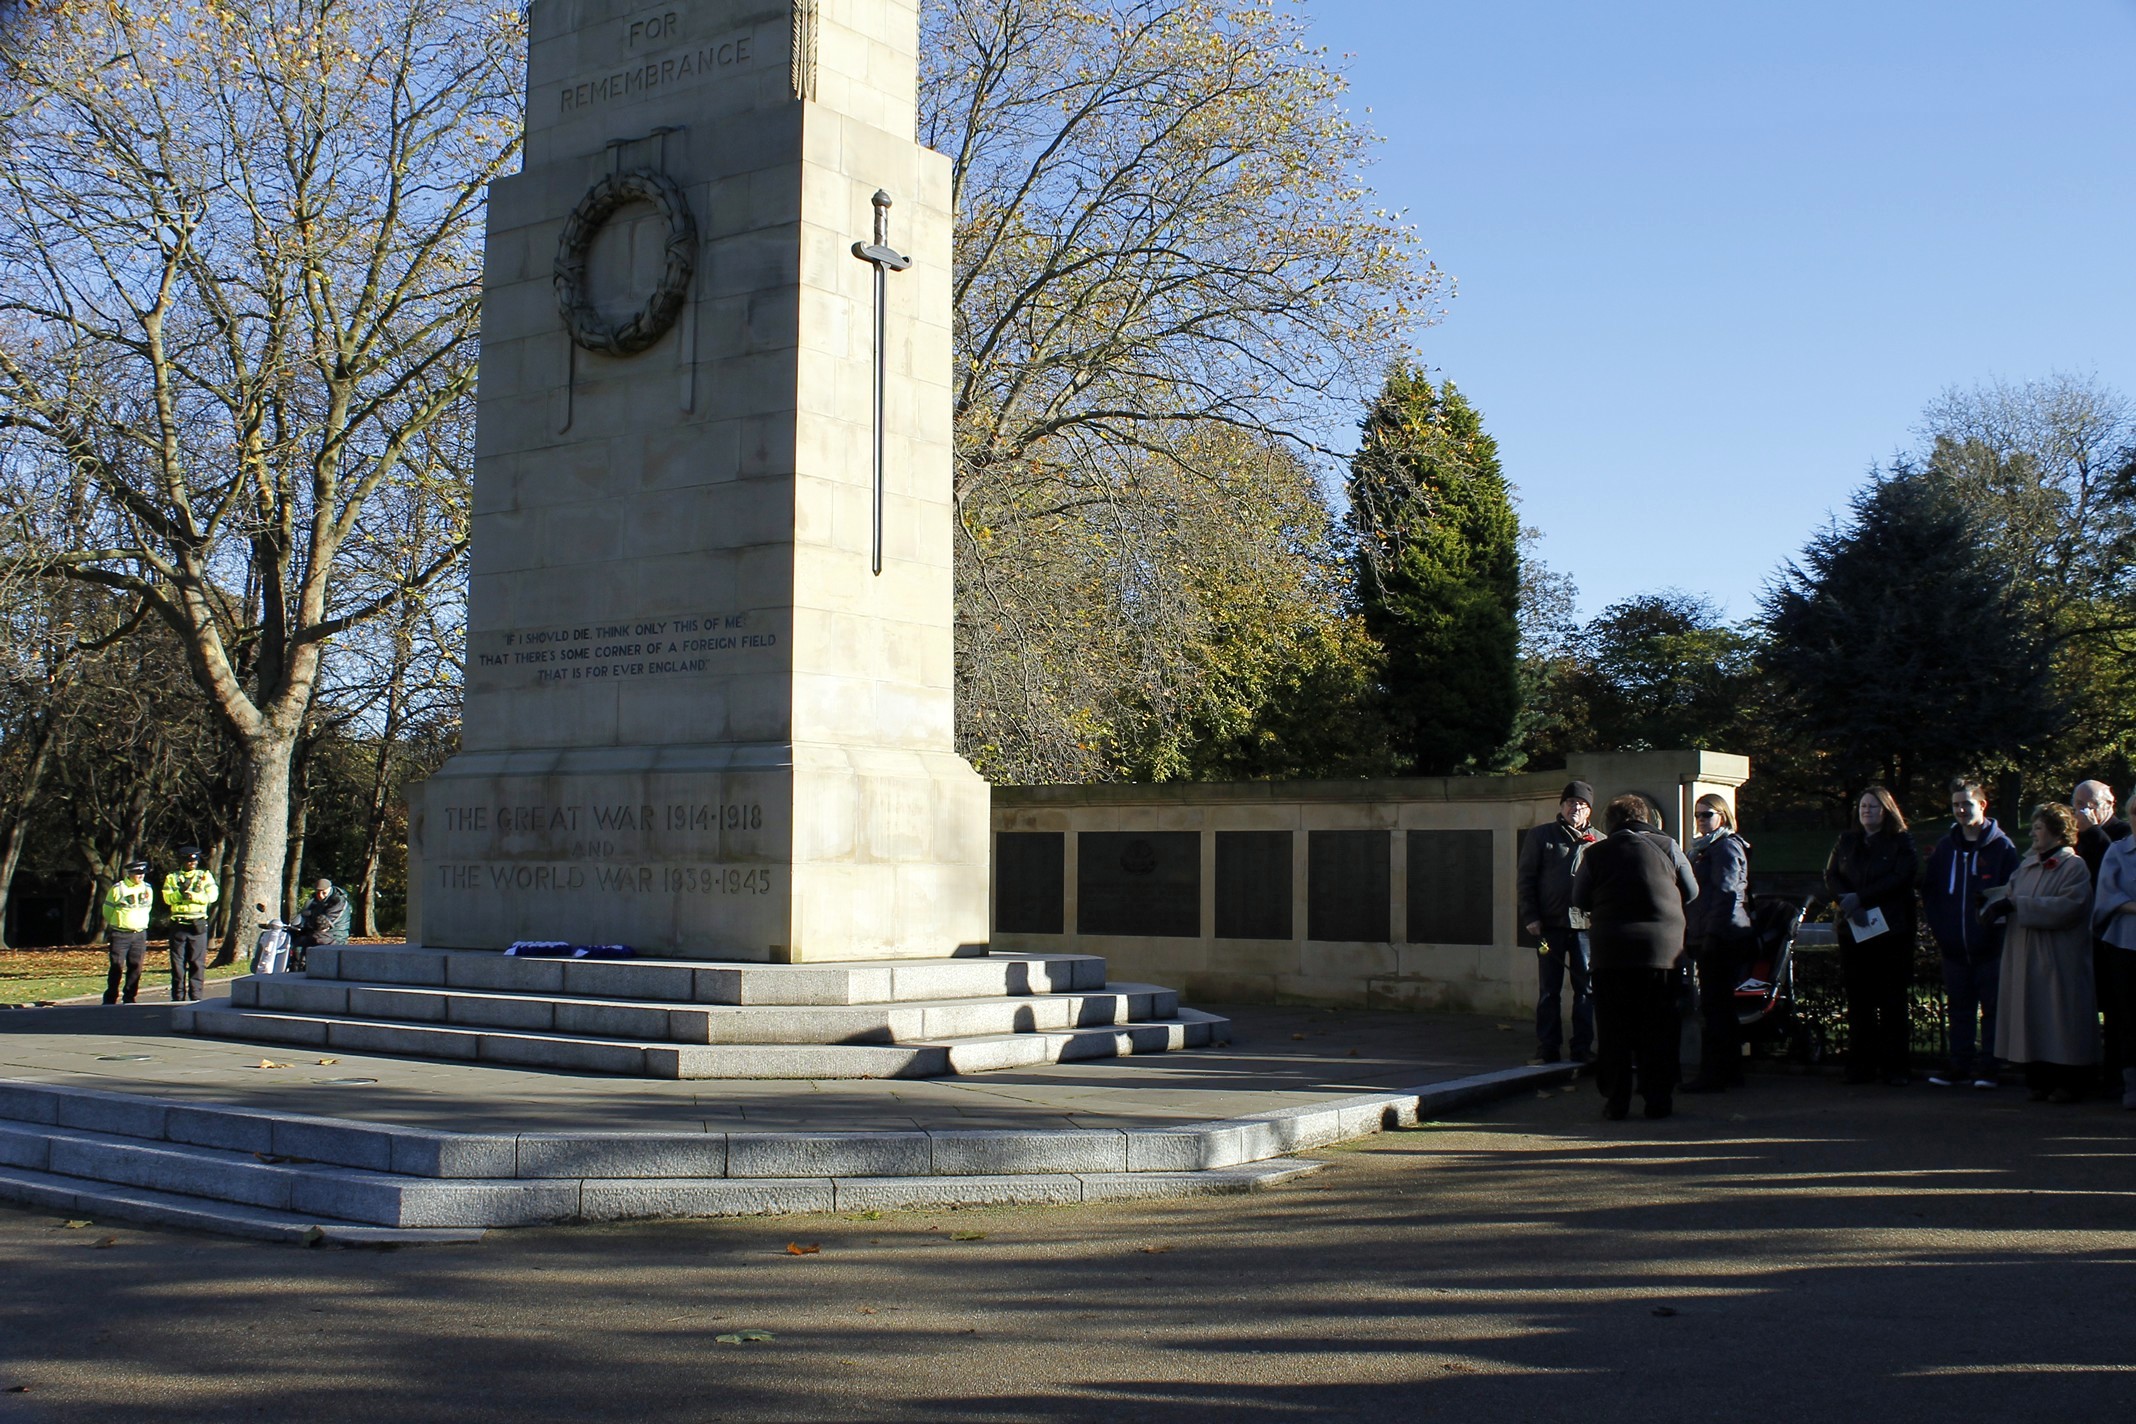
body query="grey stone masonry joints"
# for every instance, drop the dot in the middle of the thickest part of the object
(687, 1019)
(135, 1157)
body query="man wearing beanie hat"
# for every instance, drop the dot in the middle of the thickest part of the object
(1547, 857)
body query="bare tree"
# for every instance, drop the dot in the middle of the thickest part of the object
(239, 273)
(1161, 231)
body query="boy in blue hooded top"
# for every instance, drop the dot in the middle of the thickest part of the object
(1973, 859)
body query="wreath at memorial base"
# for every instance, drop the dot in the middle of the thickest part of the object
(587, 326)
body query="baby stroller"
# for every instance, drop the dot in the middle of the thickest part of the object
(1765, 1000)
(270, 952)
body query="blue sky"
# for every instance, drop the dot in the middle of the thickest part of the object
(1714, 258)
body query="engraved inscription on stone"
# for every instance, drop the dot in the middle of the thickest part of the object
(658, 55)
(676, 848)
(1029, 882)
(679, 645)
(1253, 885)
(1347, 883)
(1138, 883)
(1450, 887)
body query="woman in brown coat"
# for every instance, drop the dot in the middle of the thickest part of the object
(2049, 1016)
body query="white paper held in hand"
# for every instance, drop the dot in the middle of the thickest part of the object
(1867, 924)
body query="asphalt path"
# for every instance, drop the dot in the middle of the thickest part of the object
(1798, 1250)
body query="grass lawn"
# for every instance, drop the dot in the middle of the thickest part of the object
(36, 976)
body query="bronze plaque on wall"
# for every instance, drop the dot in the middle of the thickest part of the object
(1138, 883)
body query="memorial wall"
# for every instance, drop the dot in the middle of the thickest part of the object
(1379, 894)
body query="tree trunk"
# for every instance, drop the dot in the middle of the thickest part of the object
(300, 766)
(262, 834)
(18, 820)
(293, 872)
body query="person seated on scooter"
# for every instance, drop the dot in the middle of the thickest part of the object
(323, 919)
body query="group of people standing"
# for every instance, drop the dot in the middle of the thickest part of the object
(189, 895)
(2034, 945)
(1618, 914)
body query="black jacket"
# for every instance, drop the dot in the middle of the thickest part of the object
(1880, 871)
(1634, 883)
(1545, 879)
(2093, 841)
(1722, 910)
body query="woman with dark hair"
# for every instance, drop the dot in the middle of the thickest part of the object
(1633, 885)
(1871, 876)
(1720, 938)
(2049, 1016)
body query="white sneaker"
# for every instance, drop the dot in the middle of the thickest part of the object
(1986, 1083)
(1941, 1080)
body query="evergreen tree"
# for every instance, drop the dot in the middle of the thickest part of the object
(1904, 645)
(1438, 573)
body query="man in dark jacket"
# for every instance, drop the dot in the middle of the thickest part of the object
(2093, 802)
(1634, 885)
(1974, 858)
(1547, 856)
(323, 919)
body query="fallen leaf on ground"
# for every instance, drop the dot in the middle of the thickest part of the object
(269, 1063)
(797, 1248)
(107, 1241)
(745, 1337)
(1157, 1250)
(1505, 1028)
(1665, 1310)
(967, 1236)
(1353, 1053)
(866, 1216)
(77, 1225)
(328, 1062)
(867, 1310)
(1299, 1036)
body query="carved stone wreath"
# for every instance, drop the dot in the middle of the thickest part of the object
(584, 321)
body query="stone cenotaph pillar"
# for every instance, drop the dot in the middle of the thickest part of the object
(709, 664)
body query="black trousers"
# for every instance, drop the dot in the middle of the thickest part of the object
(189, 960)
(1877, 976)
(129, 950)
(1635, 1034)
(1721, 966)
(2121, 995)
(2113, 1009)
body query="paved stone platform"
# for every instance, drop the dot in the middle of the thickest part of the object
(103, 1114)
(1277, 1058)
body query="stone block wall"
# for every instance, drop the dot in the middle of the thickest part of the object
(1392, 894)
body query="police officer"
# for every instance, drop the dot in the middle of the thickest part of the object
(125, 909)
(189, 894)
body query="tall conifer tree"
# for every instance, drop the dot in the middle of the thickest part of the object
(1438, 573)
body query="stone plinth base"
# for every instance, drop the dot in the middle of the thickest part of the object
(776, 853)
(687, 1019)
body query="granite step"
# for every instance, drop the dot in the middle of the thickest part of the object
(101, 1202)
(571, 1052)
(641, 1058)
(895, 1022)
(684, 981)
(301, 1188)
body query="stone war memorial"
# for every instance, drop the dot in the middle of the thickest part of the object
(708, 821)
(709, 710)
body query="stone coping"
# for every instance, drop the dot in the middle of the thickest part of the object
(588, 1155)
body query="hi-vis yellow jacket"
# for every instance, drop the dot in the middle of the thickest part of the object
(190, 893)
(126, 906)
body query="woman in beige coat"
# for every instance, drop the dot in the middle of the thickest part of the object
(2049, 1016)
